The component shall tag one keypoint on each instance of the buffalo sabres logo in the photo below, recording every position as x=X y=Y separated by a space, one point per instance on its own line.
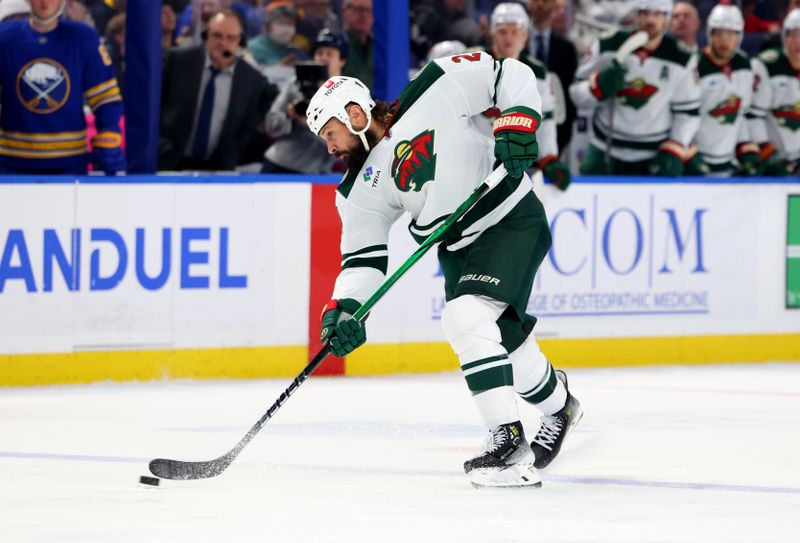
x=43 y=85
x=414 y=162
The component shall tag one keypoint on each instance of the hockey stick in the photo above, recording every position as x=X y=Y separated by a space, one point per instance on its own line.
x=178 y=469
x=634 y=42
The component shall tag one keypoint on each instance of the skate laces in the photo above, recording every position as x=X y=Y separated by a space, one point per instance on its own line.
x=549 y=432
x=496 y=439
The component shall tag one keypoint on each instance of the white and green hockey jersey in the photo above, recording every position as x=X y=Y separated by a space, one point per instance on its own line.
x=726 y=95
x=431 y=159
x=660 y=100
x=546 y=135
x=775 y=115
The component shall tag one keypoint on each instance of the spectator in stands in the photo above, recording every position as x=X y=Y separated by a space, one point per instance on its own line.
x=115 y=42
x=312 y=17
x=14 y=10
x=753 y=22
x=558 y=54
x=47 y=77
x=357 y=22
x=561 y=21
x=192 y=22
x=102 y=12
x=168 y=24
x=685 y=25
x=203 y=127
x=435 y=21
x=775 y=115
x=77 y=10
x=296 y=149
x=274 y=45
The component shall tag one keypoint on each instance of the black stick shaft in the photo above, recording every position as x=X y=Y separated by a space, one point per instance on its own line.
x=178 y=469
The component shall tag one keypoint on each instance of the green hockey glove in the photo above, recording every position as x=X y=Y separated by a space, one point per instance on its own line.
x=343 y=333
x=607 y=82
x=556 y=171
x=778 y=167
x=749 y=160
x=669 y=160
x=696 y=166
x=515 y=139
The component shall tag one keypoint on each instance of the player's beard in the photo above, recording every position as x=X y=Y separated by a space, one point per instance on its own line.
x=356 y=157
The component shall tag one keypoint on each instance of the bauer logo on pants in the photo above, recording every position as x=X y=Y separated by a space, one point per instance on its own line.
x=480 y=278
x=43 y=85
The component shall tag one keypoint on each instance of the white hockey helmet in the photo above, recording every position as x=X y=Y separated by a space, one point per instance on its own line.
x=791 y=22
x=664 y=6
x=446 y=49
x=725 y=17
x=331 y=100
x=510 y=13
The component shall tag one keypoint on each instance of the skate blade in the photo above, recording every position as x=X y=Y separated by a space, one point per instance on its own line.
x=515 y=476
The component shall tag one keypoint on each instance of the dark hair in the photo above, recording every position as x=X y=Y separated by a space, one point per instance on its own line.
x=383 y=112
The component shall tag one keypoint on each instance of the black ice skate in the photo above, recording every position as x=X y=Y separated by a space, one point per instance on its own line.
x=555 y=428
x=506 y=461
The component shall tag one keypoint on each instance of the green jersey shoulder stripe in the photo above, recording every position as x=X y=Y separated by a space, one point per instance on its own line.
x=670 y=50
x=346 y=184
x=416 y=88
x=777 y=63
x=706 y=66
x=539 y=69
x=610 y=43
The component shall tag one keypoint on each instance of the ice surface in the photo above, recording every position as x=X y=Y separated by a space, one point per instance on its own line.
x=663 y=454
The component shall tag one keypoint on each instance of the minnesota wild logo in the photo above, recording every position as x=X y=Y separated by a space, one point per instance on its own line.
x=788 y=116
x=638 y=93
x=727 y=110
x=414 y=162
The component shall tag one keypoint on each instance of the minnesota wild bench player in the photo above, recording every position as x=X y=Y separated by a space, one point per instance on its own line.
x=424 y=155
x=775 y=119
x=646 y=106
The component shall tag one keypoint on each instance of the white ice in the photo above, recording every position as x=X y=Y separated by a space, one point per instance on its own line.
x=662 y=455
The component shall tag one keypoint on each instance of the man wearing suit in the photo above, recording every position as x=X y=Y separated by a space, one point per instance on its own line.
x=211 y=103
x=558 y=53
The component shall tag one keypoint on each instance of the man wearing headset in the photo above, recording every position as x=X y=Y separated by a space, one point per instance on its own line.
x=202 y=127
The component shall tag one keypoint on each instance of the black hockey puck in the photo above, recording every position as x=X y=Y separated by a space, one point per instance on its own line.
x=152 y=481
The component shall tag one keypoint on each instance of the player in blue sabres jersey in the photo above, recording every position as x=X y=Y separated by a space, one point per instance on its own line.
x=50 y=69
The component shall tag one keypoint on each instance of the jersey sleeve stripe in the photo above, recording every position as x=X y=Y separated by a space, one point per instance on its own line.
x=379 y=263
x=101 y=88
x=369 y=249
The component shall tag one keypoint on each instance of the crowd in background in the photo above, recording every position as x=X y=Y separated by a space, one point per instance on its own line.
x=268 y=54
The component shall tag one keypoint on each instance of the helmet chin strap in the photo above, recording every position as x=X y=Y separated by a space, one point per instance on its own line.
x=52 y=18
x=361 y=133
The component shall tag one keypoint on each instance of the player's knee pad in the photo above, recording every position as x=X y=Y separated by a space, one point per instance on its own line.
x=469 y=324
x=529 y=365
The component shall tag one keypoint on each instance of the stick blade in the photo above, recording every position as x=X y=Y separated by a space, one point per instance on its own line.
x=634 y=42
x=180 y=470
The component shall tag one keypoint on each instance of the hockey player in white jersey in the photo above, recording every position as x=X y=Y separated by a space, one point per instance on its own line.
x=723 y=144
x=646 y=107
x=775 y=115
x=509 y=39
x=425 y=156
